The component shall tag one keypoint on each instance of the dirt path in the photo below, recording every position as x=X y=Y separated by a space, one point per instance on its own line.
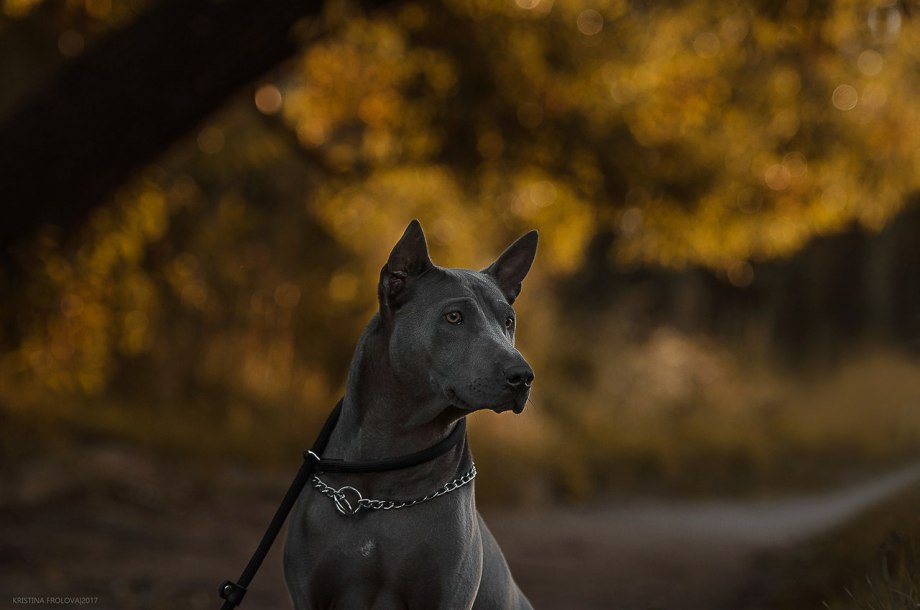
x=698 y=555
x=117 y=536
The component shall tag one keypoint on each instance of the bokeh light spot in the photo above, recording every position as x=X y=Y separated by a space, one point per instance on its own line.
x=885 y=23
x=707 y=45
x=845 y=97
x=870 y=62
x=268 y=99
x=741 y=274
x=622 y=92
x=777 y=177
x=527 y=5
x=311 y=133
x=543 y=193
x=734 y=29
x=590 y=22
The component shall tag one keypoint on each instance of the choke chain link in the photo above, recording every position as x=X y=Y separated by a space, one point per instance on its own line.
x=349 y=500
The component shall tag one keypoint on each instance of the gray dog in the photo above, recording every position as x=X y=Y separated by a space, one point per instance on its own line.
x=441 y=347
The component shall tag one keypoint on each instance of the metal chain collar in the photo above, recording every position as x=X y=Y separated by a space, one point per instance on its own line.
x=349 y=500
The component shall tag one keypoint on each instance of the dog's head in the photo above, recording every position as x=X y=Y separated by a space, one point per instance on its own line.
x=451 y=331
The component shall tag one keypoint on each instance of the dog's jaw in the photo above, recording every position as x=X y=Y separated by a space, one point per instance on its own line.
x=516 y=405
x=454 y=399
x=512 y=405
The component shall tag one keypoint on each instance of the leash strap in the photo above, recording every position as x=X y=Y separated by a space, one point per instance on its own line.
x=233 y=592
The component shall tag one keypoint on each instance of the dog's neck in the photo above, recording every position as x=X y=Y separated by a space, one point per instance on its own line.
x=381 y=415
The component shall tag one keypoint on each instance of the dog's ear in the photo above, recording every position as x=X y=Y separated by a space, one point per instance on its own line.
x=408 y=260
x=512 y=266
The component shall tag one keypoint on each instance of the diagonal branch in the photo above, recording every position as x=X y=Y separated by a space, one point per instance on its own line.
x=120 y=105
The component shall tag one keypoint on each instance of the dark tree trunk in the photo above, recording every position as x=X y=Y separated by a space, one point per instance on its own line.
x=127 y=99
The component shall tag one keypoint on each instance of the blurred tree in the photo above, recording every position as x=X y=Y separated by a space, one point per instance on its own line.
x=676 y=134
x=121 y=103
x=696 y=132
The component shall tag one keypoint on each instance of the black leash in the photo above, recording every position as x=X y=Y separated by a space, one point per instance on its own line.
x=232 y=592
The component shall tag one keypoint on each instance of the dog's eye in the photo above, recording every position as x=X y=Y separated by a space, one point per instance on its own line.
x=509 y=323
x=453 y=317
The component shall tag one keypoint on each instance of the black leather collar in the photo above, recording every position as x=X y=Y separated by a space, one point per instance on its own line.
x=455 y=437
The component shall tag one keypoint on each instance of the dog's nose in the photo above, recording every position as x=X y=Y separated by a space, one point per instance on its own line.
x=520 y=376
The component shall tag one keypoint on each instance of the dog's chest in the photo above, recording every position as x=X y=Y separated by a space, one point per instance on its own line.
x=421 y=554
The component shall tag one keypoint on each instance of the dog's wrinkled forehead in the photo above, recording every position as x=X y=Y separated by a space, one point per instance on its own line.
x=447 y=283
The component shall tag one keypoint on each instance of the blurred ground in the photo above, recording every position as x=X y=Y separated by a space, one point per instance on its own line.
x=648 y=554
x=137 y=534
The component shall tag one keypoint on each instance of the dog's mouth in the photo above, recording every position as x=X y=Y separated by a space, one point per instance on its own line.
x=512 y=405
x=516 y=405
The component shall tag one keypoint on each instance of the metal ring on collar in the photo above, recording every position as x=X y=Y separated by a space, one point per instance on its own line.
x=343 y=504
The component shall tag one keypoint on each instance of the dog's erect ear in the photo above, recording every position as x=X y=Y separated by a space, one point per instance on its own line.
x=509 y=269
x=408 y=260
